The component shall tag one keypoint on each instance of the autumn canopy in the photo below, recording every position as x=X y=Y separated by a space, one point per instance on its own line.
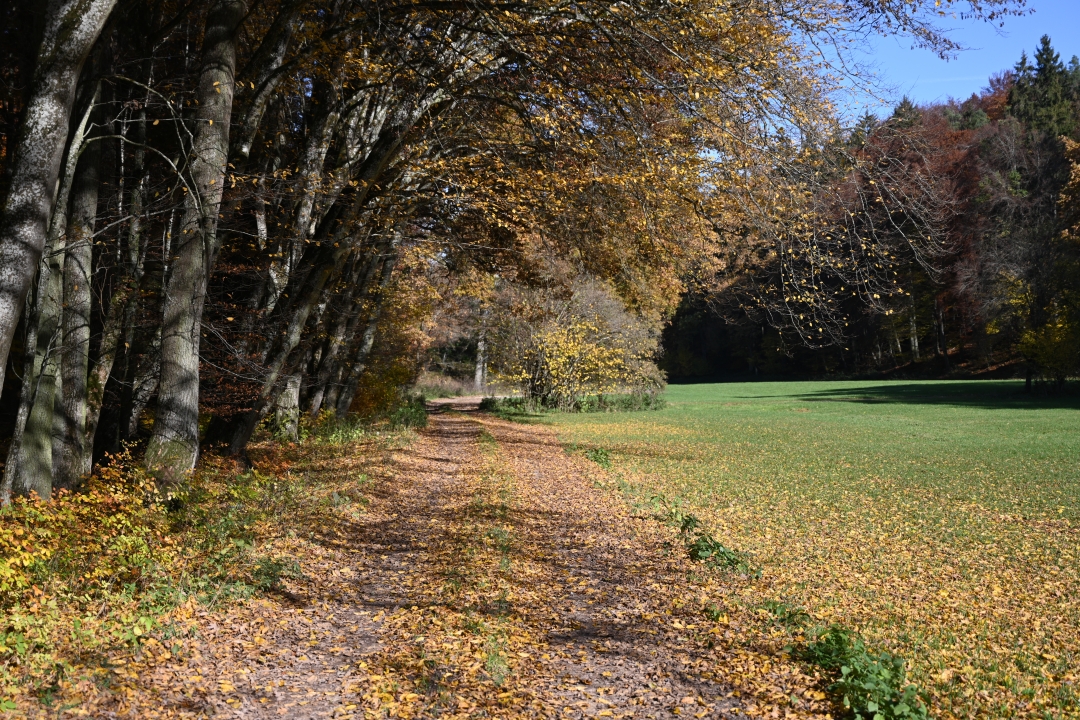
x=215 y=208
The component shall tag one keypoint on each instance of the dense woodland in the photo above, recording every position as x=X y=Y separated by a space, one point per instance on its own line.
x=221 y=212
x=998 y=299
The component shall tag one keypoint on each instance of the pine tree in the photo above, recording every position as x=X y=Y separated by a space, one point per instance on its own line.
x=906 y=113
x=1042 y=96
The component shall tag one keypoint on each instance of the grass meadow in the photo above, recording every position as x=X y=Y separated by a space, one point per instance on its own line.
x=941 y=520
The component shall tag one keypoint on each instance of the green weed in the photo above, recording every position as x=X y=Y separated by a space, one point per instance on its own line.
x=411 y=414
x=495 y=660
x=600 y=456
x=787 y=615
x=869 y=686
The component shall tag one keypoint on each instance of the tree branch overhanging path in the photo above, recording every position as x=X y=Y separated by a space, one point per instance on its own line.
x=252 y=160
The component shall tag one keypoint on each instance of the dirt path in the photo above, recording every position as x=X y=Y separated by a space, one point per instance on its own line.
x=489 y=577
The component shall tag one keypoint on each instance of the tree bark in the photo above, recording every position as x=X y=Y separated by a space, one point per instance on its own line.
x=341 y=337
x=287 y=412
x=480 y=374
x=30 y=464
x=914 y=338
x=33 y=467
x=359 y=363
x=25 y=399
x=71 y=29
x=174 y=446
x=144 y=386
x=73 y=459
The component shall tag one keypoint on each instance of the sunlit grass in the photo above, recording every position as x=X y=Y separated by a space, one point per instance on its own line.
x=939 y=519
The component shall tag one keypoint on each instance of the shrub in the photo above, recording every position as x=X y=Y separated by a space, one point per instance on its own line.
x=410 y=414
x=622 y=402
x=563 y=350
x=705 y=548
x=869 y=686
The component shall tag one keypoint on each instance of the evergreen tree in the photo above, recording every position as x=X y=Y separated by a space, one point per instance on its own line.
x=864 y=127
x=1042 y=96
x=906 y=113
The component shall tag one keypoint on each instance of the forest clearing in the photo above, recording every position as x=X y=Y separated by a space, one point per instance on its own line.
x=939 y=519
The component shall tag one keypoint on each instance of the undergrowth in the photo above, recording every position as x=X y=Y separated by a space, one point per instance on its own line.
x=868 y=685
x=88 y=577
x=516 y=407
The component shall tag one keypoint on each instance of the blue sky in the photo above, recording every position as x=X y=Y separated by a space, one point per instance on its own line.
x=925 y=78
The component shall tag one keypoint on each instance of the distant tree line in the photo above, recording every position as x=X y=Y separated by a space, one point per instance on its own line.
x=997 y=293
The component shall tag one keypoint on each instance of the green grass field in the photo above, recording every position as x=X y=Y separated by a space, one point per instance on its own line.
x=940 y=519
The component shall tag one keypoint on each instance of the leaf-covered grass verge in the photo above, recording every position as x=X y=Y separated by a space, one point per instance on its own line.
x=864 y=685
x=89 y=578
x=938 y=520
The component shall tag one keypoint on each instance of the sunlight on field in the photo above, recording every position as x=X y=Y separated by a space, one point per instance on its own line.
x=940 y=519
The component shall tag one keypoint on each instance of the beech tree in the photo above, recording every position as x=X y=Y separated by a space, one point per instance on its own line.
x=223 y=212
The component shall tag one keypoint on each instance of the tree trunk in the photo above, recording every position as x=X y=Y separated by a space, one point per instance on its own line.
x=30 y=463
x=329 y=364
x=33 y=467
x=25 y=398
x=287 y=410
x=914 y=339
x=174 y=446
x=943 y=337
x=144 y=386
x=73 y=459
x=120 y=318
x=71 y=29
x=480 y=375
x=262 y=70
x=281 y=350
x=359 y=364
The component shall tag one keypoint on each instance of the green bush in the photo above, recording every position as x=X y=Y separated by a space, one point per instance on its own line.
x=704 y=548
x=870 y=686
x=412 y=414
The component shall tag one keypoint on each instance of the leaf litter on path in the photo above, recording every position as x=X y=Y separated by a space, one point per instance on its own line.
x=490 y=576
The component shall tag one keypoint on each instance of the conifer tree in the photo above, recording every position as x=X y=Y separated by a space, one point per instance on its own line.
x=1042 y=96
